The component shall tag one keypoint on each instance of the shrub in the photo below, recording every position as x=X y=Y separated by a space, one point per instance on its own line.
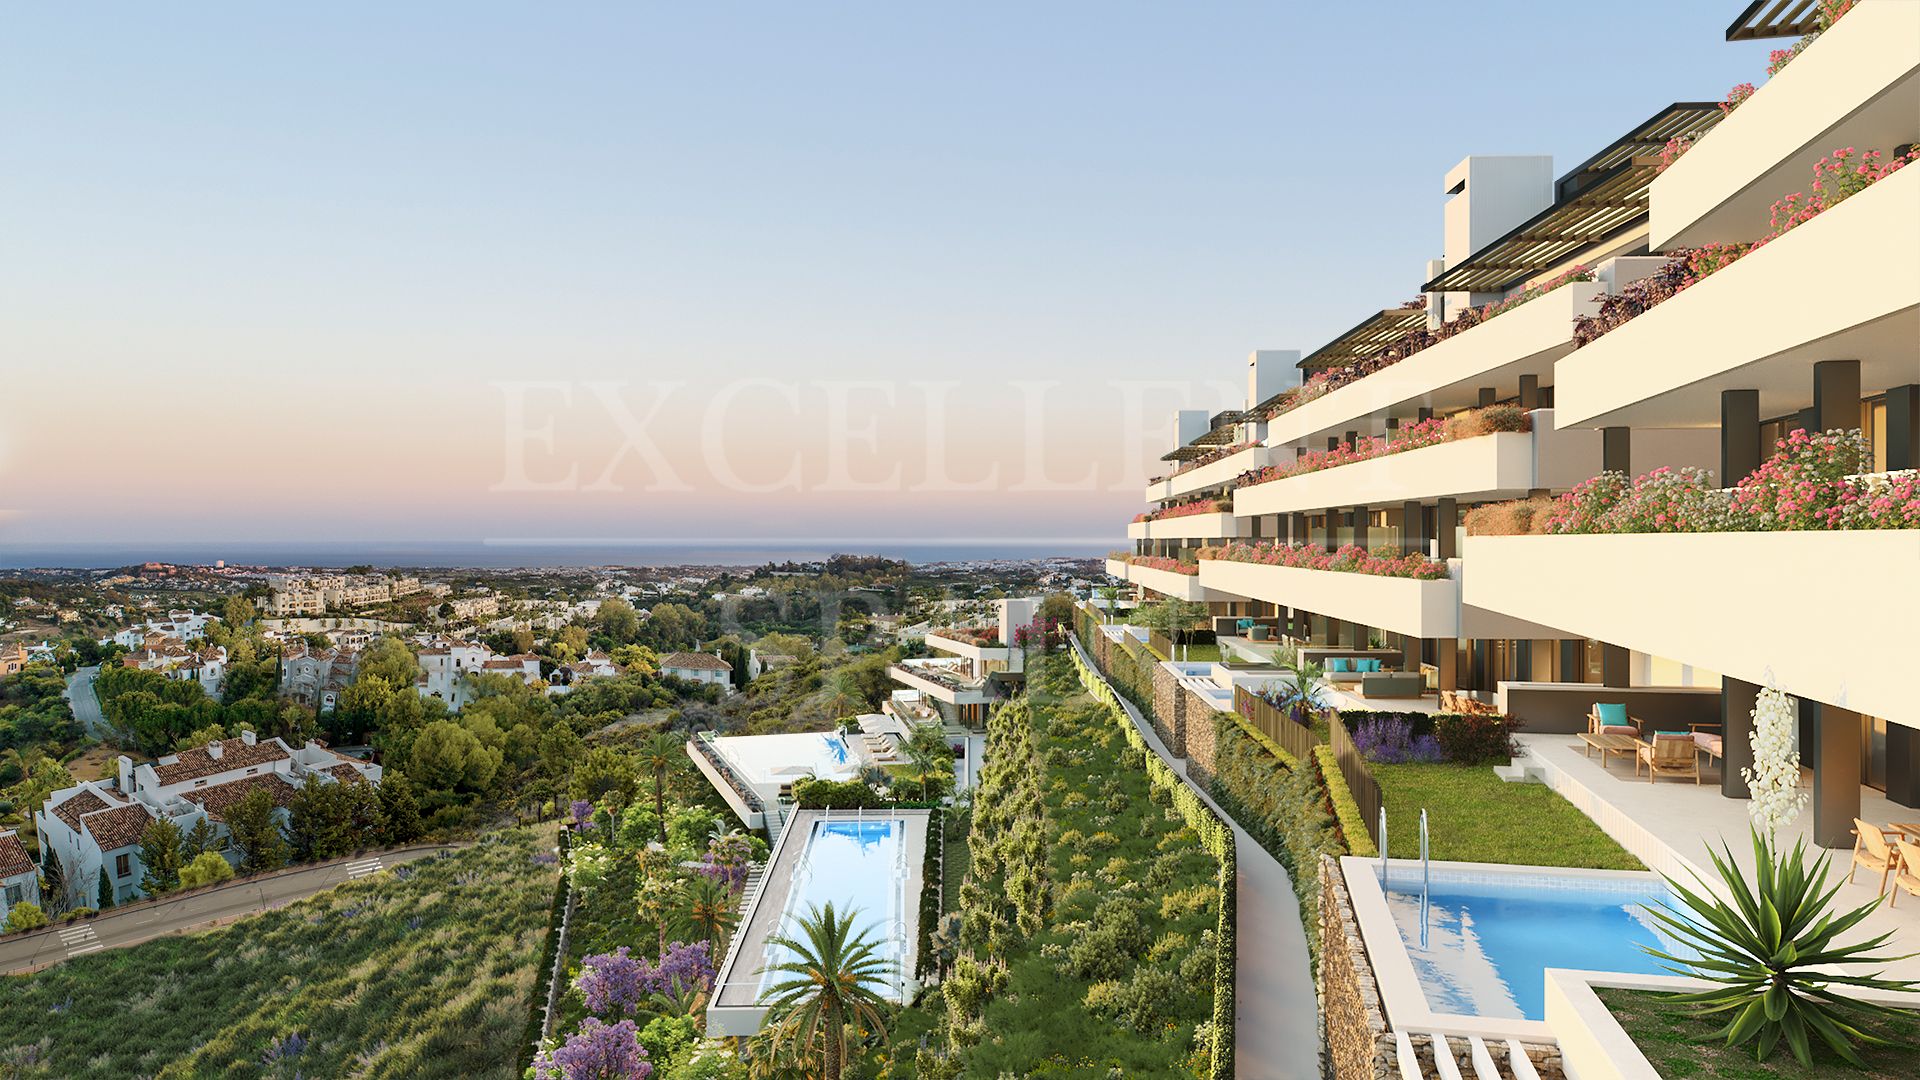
x=1475 y=740
x=1140 y=1002
x=25 y=915
x=815 y=794
x=206 y=868
x=1507 y=518
x=1353 y=829
x=1391 y=741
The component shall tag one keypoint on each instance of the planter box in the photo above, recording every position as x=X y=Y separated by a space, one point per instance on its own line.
x=1167 y=583
x=1116 y=568
x=1498 y=466
x=1844 y=285
x=1858 y=85
x=1197 y=527
x=1523 y=341
x=968 y=649
x=1137 y=530
x=1823 y=615
x=1213 y=475
x=1426 y=609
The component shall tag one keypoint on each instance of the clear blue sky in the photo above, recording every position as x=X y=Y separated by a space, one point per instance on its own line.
x=265 y=267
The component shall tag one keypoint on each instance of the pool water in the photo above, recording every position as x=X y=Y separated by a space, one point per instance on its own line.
x=857 y=866
x=1489 y=939
x=836 y=748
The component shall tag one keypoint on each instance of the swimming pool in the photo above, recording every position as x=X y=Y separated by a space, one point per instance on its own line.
x=1489 y=937
x=857 y=866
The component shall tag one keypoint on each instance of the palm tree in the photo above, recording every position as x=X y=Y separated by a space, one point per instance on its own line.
x=1307 y=695
x=707 y=910
x=927 y=749
x=1111 y=594
x=657 y=755
x=835 y=974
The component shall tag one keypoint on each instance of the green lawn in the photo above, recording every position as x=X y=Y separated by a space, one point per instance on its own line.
x=1205 y=653
x=1474 y=816
x=427 y=971
x=1679 y=1044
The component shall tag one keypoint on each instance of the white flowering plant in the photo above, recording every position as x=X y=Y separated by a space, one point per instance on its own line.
x=1774 y=780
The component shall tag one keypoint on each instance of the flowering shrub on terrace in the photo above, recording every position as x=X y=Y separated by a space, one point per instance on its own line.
x=1210 y=457
x=1161 y=562
x=1836 y=178
x=1811 y=482
x=1465 y=425
x=1349 y=559
x=1198 y=506
x=1416 y=340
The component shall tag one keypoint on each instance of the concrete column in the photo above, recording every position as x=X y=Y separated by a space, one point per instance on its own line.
x=1616 y=449
x=1903 y=764
x=1352 y=440
x=1573 y=660
x=1836 y=775
x=1301 y=529
x=1522 y=661
x=1903 y=429
x=1739 y=435
x=1836 y=394
x=1333 y=442
x=1736 y=727
x=1808 y=420
x=1424 y=413
x=1446 y=520
x=1529 y=391
x=1616 y=665
x=1488 y=396
x=1360 y=527
x=1333 y=520
x=1413 y=527
x=1446 y=657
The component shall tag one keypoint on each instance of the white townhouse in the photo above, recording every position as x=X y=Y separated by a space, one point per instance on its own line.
x=98 y=824
x=19 y=878
x=317 y=677
x=698 y=667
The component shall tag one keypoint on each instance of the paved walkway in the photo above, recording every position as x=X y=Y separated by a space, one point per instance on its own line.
x=146 y=921
x=86 y=704
x=1276 y=1014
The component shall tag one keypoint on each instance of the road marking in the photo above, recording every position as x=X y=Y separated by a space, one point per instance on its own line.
x=81 y=939
x=365 y=867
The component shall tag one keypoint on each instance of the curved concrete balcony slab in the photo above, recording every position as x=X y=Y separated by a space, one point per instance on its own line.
x=1427 y=609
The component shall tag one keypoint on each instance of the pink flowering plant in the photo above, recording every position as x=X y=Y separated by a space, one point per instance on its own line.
x=1187 y=509
x=1349 y=559
x=1161 y=562
x=1470 y=424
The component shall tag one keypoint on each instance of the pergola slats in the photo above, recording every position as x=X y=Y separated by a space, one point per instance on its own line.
x=1374 y=333
x=1601 y=199
x=1775 y=19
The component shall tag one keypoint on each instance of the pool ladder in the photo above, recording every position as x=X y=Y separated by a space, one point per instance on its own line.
x=1426 y=868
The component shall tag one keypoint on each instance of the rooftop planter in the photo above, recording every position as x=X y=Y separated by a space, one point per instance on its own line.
x=1169 y=577
x=1380 y=591
x=1217 y=525
x=1857 y=84
x=1214 y=474
x=1839 y=282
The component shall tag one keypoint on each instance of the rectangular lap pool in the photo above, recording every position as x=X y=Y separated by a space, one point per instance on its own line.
x=1482 y=943
x=859 y=867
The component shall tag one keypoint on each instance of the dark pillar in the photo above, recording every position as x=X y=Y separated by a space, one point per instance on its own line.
x=1736 y=728
x=1412 y=528
x=1808 y=420
x=1424 y=413
x=1446 y=658
x=1446 y=518
x=1333 y=442
x=1360 y=527
x=1352 y=439
x=1836 y=775
x=1739 y=435
x=1573 y=660
x=1903 y=430
x=1522 y=660
x=1393 y=425
x=1333 y=519
x=1903 y=764
x=1488 y=395
x=1836 y=394
x=1616 y=450
x=1302 y=529
x=1616 y=665
x=1529 y=391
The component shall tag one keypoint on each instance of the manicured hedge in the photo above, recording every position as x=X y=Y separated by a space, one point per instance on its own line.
x=1352 y=826
x=930 y=877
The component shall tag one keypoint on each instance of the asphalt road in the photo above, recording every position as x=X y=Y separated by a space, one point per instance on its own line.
x=146 y=921
x=86 y=704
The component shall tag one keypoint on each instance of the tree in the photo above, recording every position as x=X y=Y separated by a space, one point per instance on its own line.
x=389 y=658
x=596 y=1052
x=398 y=809
x=206 y=868
x=323 y=822
x=1111 y=594
x=834 y=981
x=448 y=757
x=160 y=855
x=659 y=754
x=238 y=611
x=255 y=829
x=198 y=839
x=617 y=619
x=206 y=736
x=25 y=915
x=928 y=750
x=105 y=898
x=708 y=910
x=636 y=659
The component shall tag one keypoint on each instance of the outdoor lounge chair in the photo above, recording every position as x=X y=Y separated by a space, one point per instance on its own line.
x=1873 y=849
x=1669 y=755
x=1906 y=876
x=1609 y=719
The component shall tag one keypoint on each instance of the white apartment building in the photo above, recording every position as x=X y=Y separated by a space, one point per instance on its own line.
x=98 y=824
x=978 y=665
x=317 y=677
x=698 y=667
x=185 y=626
x=19 y=877
x=445 y=664
x=206 y=666
x=1564 y=331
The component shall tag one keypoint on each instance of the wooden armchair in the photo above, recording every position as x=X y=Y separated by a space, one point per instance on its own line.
x=1622 y=724
x=1873 y=849
x=1906 y=876
x=1669 y=755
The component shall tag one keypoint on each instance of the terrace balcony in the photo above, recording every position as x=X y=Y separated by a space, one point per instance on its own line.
x=1824 y=615
x=1165 y=582
x=1423 y=609
x=1209 y=476
x=1845 y=284
x=1218 y=526
x=1496 y=466
x=1857 y=85
x=1446 y=376
x=978 y=644
x=950 y=681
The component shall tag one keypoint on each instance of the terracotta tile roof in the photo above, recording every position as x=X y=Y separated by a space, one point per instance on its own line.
x=119 y=827
x=218 y=798
x=13 y=857
x=343 y=772
x=694 y=661
x=79 y=806
x=234 y=754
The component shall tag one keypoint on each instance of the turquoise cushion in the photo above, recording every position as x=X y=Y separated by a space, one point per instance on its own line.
x=1612 y=714
x=1373 y=665
x=1338 y=663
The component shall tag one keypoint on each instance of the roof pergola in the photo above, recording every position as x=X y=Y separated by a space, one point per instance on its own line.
x=1775 y=19
x=1601 y=199
x=1374 y=333
x=1221 y=431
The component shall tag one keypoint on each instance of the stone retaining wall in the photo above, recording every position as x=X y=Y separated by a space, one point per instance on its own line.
x=1169 y=715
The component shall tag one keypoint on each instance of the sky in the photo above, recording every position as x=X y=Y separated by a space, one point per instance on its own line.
x=471 y=271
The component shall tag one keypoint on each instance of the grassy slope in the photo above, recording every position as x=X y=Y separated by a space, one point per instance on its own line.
x=426 y=976
x=1681 y=1045
x=1474 y=816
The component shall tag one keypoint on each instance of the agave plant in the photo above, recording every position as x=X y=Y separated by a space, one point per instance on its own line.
x=1762 y=951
